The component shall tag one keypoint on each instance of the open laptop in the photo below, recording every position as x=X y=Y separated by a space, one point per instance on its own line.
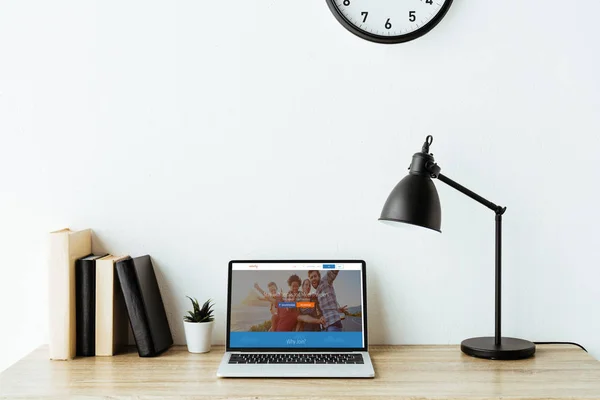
x=304 y=318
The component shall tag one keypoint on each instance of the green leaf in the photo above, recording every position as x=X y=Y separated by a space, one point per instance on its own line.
x=205 y=307
x=195 y=305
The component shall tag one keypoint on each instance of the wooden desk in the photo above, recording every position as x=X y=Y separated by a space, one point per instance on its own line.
x=402 y=372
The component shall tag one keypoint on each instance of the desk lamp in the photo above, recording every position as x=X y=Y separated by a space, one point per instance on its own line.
x=415 y=201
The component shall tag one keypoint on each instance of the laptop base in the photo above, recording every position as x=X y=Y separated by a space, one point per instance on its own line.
x=227 y=370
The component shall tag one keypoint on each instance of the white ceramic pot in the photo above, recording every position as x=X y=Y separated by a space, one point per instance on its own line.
x=198 y=336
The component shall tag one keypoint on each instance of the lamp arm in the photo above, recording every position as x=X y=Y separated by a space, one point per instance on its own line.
x=424 y=164
x=499 y=210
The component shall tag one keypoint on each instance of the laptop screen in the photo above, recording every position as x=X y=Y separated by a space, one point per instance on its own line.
x=289 y=305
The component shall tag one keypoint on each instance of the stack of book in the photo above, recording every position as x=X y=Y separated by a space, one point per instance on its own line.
x=93 y=300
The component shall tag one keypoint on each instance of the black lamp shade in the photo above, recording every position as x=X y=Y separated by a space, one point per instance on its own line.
x=414 y=201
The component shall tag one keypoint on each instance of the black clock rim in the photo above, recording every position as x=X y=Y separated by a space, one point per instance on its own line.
x=388 y=39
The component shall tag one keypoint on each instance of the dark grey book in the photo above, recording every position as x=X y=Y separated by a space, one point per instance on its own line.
x=145 y=308
x=85 y=306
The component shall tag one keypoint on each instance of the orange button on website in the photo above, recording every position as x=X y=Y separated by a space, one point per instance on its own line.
x=305 y=304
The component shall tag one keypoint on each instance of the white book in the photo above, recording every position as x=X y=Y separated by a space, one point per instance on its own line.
x=66 y=247
x=112 y=323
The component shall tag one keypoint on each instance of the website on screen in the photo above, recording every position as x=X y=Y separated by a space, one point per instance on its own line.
x=291 y=305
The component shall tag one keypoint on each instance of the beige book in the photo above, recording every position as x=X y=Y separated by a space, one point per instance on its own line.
x=112 y=323
x=66 y=247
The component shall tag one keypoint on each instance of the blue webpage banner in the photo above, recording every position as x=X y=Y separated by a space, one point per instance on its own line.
x=296 y=339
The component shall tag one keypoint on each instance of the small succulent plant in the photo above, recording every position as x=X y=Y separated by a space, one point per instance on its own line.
x=204 y=314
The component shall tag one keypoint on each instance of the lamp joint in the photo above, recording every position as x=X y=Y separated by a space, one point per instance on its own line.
x=433 y=169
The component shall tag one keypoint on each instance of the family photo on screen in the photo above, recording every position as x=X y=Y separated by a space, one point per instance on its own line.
x=296 y=301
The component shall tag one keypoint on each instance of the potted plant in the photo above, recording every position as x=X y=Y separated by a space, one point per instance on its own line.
x=198 y=325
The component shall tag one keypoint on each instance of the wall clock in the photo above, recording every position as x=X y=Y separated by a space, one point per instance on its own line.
x=389 y=21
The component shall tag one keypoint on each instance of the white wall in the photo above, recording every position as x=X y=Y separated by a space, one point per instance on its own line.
x=201 y=131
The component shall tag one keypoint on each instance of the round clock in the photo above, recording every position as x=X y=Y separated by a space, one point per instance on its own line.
x=389 y=21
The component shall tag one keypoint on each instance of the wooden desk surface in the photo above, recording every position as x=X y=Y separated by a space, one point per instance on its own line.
x=402 y=372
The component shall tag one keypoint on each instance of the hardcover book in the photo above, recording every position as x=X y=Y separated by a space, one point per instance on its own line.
x=85 y=305
x=65 y=248
x=145 y=308
x=112 y=326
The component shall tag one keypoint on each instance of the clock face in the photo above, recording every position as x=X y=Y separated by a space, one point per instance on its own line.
x=389 y=21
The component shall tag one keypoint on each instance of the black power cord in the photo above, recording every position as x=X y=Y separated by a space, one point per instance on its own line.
x=574 y=344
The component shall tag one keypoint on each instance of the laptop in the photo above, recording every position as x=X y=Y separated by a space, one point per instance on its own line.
x=291 y=318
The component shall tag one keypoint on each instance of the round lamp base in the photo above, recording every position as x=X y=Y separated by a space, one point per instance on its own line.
x=509 y=348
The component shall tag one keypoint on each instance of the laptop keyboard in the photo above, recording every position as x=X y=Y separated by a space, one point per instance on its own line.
x=296 y=358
